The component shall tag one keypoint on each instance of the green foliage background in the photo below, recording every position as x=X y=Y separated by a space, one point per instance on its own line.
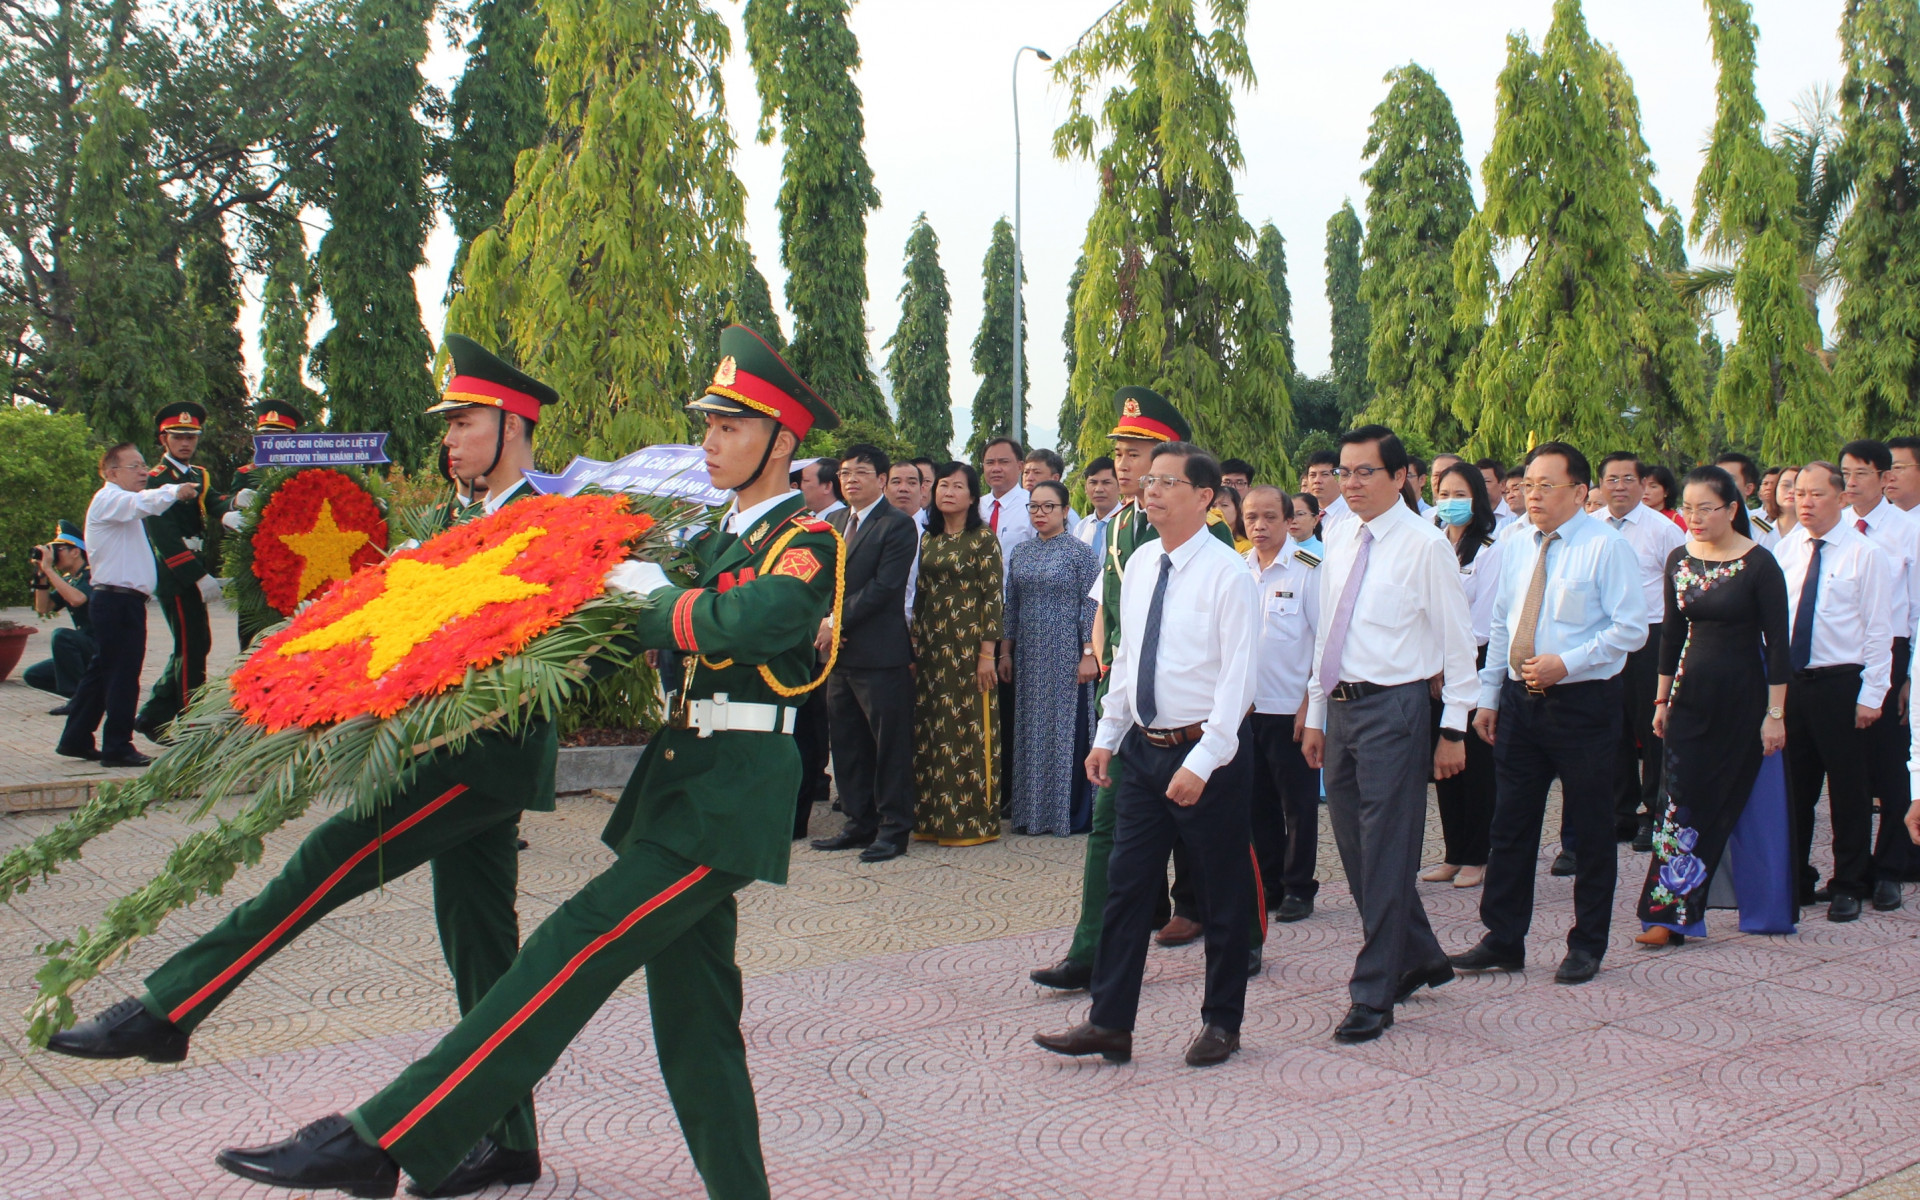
x=48 y=472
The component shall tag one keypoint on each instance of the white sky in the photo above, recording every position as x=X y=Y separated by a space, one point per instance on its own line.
x=936 y=84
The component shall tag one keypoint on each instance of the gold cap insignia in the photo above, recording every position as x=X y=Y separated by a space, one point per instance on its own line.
x=723 y=375
x=1131 y=408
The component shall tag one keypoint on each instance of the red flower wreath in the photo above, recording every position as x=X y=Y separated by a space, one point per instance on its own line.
x=414 y=625
x=318 y=527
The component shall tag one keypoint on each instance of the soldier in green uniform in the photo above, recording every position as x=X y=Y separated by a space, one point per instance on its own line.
x=186 y=583
x=269 y=416
x=62 y=579
x=460 y=813
x=1144 y=419
x=708 y=810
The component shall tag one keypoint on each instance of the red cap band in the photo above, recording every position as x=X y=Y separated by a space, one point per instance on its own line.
x=1145 y=428
x=767 y=399
x=470 y=389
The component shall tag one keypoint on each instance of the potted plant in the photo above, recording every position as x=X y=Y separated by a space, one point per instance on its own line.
x=13 y=643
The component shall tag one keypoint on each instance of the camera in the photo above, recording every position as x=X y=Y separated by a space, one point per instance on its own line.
x=39 y=554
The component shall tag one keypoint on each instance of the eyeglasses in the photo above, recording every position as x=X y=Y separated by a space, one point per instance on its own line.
x=862 y=473
x=1542 y=489
x=1617 y=480
x=128 y=466
x=1160 y=481
x=1365 y=473
x=1044 y=507
x=1702 y=510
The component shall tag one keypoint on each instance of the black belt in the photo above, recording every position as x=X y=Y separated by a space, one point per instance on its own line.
x=1823 y=672
x=1358 y=691
x=1167 y=739
x=114 y=589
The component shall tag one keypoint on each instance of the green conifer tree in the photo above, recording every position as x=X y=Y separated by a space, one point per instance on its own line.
x=755 y=305
x=804 y=59
x=919 y=366
x=1877 y=369
x=1172 y=298
x=1582 y=344
x=1352 y=327
x=213 y=315
x=498 y=110
x=374 y=359
x=1419 y=198
x=1069 y=417
x=1270 y=255
x=622 y=228
x=993 y=347
x=286 y=308
x=1772 y=389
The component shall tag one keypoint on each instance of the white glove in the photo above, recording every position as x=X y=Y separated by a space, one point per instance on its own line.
x=640 y=578
x=409 y=544
x=210 y=588
x=243 y=498
x=233 y=521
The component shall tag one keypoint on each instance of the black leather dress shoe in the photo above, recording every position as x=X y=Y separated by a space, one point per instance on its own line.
x=1254 y=962
x=62 y=711
x=1294 y=908
x=1114 y=1045
x=125 y=758
x=1066 y=975
x=1643 y=836
x=1363 y=1024
x=1488 y=957
x=1431 y=975
x=1886 y=895
x=486 y=1164
x=842 y=841
x=1213 y=1047
x=1563 y=864
x=1577 y=967
x=882 y=851
x=1843 y=908
x=89 y=753
x=127 y=1030
x=326 y=1154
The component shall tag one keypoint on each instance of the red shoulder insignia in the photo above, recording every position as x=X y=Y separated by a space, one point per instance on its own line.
x=157 y=470
x=798 y=562
x=814 y=525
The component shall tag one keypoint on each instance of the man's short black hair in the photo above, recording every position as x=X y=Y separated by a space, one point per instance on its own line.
x=1324 y=458
x=1625 y=456
x=1910 y=444
x=1416 y=465
x=1237 y=466
x=1019 y=455
x=1576 y=462
x=1050 y=459
x=1201 y=469
x=826 y=470
x=1749 y=470
x=1869 y=451
x=1393 y=455
x=1103 y=463
x=1515 y=473
x=1492 y=464
x=866 y=452
x=929 y=464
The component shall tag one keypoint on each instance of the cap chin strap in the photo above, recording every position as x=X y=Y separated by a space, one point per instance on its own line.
x=499 y=448
x=765 y=456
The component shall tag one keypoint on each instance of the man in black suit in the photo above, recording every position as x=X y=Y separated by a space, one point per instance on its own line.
x=819 y=483
x=870 y=692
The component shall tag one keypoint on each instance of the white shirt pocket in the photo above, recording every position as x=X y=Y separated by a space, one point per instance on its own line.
x=1283 y=602
x=1384 y=604
x=1569 y=600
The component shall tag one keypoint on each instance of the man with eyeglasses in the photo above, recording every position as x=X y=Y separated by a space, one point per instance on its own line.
x=124 y=577
x=1864 y=466
x=1394 y=617
x=1903 y=475
x=1322 y=482
x=1567 y=612
x=1636 y=782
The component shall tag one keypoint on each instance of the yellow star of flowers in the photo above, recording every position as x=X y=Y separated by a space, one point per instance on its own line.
x=420 y=598
x=326 y=551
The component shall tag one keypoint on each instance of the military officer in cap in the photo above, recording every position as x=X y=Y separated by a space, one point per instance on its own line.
x=460 y=813
x=186 y=583
x=269 y=416
x=1144 y=419
x=708 y=811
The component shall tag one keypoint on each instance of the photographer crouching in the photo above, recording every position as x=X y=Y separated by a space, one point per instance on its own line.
x=62 y=580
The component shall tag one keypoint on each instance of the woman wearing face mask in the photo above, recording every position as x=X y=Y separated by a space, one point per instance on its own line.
x=1462 y=510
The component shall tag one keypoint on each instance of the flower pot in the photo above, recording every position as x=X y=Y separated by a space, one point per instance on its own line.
x=13 y=643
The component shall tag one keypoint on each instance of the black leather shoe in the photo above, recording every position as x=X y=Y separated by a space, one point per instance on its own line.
x=1213 y=1047
x=125 y=758
x=882 y=851
x=842 y=841
x=62 y=711
x=326 y=1154
x=1886 y=895
x=1065 y=975
x=1254 y=962
x=1363 y=1024
x=1563 y=864
x=1114 y=1045
x=1643 y=836
x=486 y=1164
x=1577 y=967
x=1843 y=908
x=89 y=754
x=1431 y=975
x=1294 y=908
x=127 y=1030
x=1488 y=957
x=1820 y=895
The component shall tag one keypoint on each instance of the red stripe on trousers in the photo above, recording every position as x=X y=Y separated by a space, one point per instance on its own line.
x=260 y=947
x=532 y=1006
x=1259 y=892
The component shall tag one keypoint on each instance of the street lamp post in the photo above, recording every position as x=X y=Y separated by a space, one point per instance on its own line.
x=1018 y=263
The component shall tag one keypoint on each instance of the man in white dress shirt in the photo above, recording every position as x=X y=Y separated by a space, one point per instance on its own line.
x=1867 y=465
x=1636 y=781
x=1103 y=499
x=1902 y=485
x=1178 y=695
x=1839 y=605
x=1322 y=482
x=1393 y=617
x=1004 y=507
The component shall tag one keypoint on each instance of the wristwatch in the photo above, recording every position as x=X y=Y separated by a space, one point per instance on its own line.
x=1776 y=713
x=1453 y=735
x=1086 y=647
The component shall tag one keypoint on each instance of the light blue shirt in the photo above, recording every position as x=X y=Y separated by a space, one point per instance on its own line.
x=1313 y=546
x=1593 y=615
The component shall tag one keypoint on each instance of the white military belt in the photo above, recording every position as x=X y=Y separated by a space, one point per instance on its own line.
x=193 y=544
x=719 y=715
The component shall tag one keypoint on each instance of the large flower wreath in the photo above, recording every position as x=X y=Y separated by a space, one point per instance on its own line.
x=489 y=625
x=304 y=528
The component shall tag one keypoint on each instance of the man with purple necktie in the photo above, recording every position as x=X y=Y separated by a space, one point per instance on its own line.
x=1399 y=619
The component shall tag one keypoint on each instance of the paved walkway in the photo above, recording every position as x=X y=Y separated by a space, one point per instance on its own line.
x=888 y=1018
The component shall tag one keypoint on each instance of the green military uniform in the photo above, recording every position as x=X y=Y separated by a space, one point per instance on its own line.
x=708 y=810
x=269 y=416
x=179 y=539
x=1145 y=415
x=72 y=649
x=460 y=813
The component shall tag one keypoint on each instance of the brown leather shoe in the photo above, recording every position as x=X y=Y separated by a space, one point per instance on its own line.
x=1213 y=1047
x=1179 y=931
x=1114 y=1045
